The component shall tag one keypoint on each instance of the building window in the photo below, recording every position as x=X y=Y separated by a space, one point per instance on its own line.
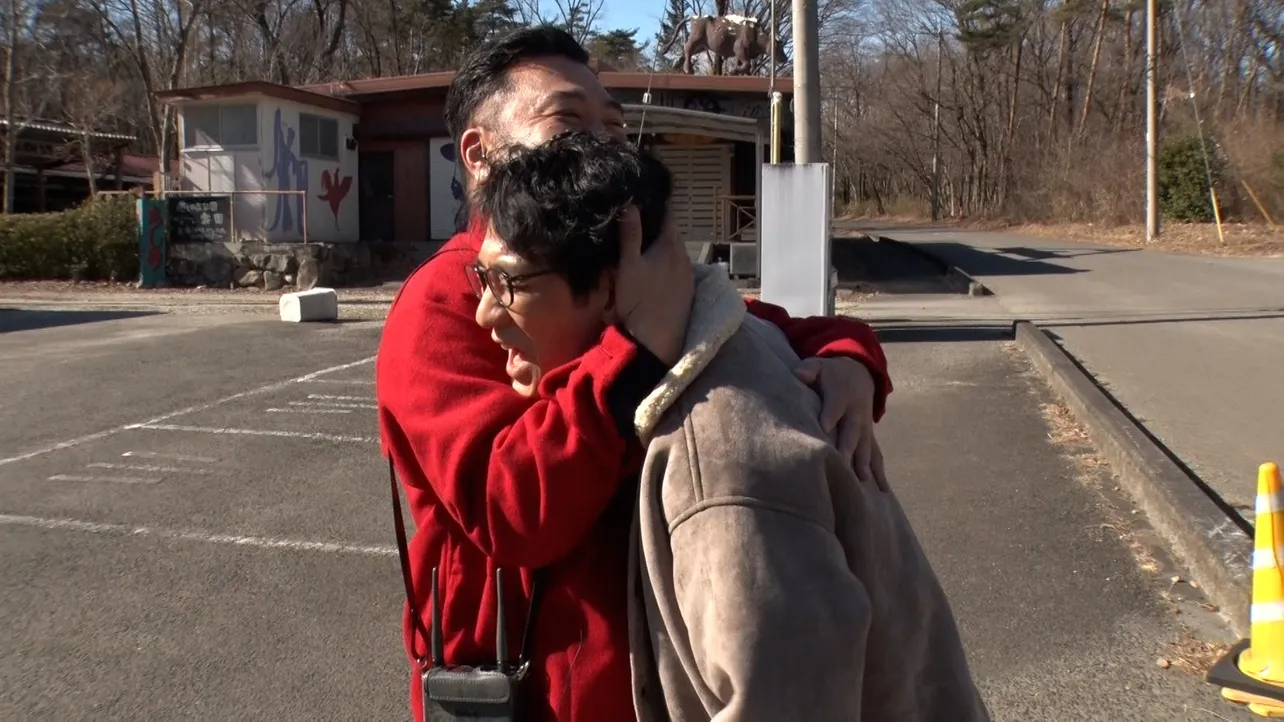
x=318 y=137
x=224 y=126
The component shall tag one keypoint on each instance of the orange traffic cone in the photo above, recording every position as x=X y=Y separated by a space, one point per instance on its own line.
x=1263 y=660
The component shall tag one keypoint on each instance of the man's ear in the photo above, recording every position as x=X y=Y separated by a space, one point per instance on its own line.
x=472 y=153
x=610 y=311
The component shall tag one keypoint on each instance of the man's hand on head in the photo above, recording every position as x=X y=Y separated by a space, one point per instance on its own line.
x=847 y=392
x=654 y=290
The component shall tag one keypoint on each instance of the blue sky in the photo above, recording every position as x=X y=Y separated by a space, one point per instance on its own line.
x=629 y=14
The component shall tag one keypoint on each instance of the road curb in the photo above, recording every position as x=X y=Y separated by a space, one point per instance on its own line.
x=953 y=273
x=1212 y=547
x=974 y=287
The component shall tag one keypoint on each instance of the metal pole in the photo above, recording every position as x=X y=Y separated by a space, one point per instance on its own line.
x=777 y=103
x=835 y=140
x=1152 y=129
x=771 y=91
x=936 y=129
x=771 y=84
x=807 y=121
x=833 y=165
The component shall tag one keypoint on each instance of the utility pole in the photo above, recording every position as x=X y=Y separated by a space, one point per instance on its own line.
x=936 y=129
x=1152 y=125
x=807 y=120
x=833 y=164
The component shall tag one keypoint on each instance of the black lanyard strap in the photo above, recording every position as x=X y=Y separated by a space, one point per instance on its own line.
x=416 y=621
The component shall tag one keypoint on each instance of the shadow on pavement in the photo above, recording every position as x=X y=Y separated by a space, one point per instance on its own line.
x=16 y=319
x=989 y=262
x=942 y=333
x=864 y=264
x=1043 y=254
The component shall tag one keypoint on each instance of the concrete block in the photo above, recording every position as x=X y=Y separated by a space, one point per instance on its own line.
x=317 y=304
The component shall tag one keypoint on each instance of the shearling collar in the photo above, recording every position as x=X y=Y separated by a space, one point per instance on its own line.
x=716 y=314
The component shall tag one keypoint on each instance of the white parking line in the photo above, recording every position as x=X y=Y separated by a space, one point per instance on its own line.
x=146 y=467
x=309 y=411
x=334 y=404
x=306 y=378
x=264 y=432
x=199 y=536
x=330 y=397
x=109 y=479
x=171 y=457
x=339 y=381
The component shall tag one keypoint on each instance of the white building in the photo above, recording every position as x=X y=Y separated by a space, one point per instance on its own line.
x=287 y=157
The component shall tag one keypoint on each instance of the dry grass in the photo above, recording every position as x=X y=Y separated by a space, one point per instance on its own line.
x=1241 y=239
x=1187 y=654
x=1072 y=440
x=1193 y=655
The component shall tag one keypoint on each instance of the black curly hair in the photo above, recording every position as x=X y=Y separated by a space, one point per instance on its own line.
x=557 y=205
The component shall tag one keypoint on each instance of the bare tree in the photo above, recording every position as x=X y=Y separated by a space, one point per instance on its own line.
x=25 y=93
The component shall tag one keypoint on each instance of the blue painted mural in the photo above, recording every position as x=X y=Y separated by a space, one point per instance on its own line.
x=291 y=174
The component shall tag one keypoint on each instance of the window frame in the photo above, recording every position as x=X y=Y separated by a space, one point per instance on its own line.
x=322 y=123
x=220 y=111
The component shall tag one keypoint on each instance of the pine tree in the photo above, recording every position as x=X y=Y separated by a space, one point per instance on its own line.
x=987 y=25
x=672 y=30
x=493 y=17
x=619 y=49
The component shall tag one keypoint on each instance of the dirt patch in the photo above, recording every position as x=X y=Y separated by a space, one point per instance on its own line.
x=1189 y=652
x=1091 y=470
x=27 y=288
x=1192 y=655
x=94 y=293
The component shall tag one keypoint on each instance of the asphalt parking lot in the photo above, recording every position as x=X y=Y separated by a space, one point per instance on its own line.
x=194 y=524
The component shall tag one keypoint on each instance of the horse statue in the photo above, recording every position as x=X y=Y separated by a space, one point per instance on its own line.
x=725 y=36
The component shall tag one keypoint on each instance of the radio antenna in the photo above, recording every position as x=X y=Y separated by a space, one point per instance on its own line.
x=501 y=627
x=438 y=654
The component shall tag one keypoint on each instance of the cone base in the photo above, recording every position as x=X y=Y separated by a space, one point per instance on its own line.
x=1259 y=670
x=1226 y=673
x=1261 y=706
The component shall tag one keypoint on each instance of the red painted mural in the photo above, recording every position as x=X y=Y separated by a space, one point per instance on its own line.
x=334 y=190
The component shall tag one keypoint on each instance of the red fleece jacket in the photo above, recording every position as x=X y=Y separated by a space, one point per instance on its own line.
x=493 y=478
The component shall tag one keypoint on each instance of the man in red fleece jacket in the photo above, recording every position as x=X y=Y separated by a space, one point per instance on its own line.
x=495 y=479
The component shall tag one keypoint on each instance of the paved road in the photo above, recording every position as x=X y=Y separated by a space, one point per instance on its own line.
x=206 y=535
x=1192 y=346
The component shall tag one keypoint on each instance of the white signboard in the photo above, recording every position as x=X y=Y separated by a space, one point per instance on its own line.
x=445 y=188
x=794 y=256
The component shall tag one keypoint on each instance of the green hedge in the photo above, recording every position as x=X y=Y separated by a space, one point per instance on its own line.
x=1183 y=179
x=97 y=240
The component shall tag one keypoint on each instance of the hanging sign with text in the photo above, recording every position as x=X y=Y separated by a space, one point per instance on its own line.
x=199 y=219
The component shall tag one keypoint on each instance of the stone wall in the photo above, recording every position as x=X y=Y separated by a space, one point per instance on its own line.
x=273 y=266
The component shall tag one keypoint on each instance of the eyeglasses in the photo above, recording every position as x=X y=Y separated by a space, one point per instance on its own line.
x=499 y=282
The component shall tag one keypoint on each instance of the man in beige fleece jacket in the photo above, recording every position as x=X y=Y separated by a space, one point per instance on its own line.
x=769 y=584
x=766 y=582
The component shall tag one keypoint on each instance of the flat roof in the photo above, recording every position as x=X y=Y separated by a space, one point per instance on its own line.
x=260 y=87
x=367 y=87
x=661 y=119
x=344 y=96
x=59 y=128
